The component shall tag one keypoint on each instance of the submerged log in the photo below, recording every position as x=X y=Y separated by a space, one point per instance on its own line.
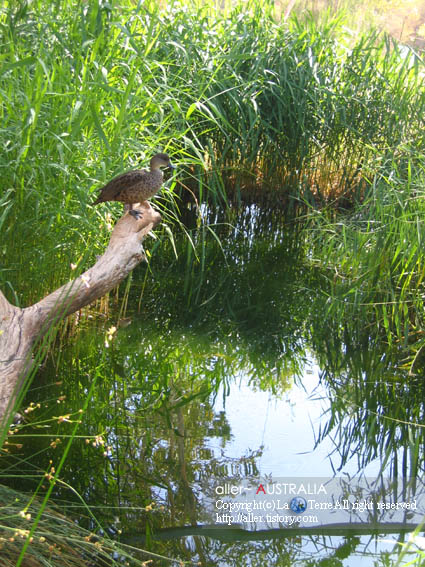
x=21 y=328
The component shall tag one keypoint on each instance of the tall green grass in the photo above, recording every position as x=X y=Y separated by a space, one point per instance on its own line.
x=374 y=258
x=245 y=104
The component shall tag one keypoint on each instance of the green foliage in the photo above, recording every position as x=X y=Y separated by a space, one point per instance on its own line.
x=375 y=259
x=241 y=100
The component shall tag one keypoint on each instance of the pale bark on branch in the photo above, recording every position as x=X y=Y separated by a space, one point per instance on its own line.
x=20 y=328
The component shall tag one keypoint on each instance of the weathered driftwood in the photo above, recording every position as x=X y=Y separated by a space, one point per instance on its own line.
x=20 y=328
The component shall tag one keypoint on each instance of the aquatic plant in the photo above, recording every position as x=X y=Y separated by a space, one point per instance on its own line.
x=250 y=107
x=57 y=539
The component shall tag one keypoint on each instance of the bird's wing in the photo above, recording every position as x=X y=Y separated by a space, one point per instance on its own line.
x=123 y=181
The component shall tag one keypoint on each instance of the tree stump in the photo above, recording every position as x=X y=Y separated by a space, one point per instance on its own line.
x=21 y=328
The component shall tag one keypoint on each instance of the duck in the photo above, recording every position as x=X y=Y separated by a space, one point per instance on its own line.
x=136 y=185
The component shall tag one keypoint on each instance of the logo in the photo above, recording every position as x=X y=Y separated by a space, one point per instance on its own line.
x=298 y=505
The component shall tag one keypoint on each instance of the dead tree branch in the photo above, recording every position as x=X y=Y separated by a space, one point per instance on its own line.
x=21 y=328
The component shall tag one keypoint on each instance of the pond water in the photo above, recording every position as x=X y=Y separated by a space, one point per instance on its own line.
x=224 y=397
x=285 y=429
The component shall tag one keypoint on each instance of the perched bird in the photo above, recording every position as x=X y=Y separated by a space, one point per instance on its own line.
x=137 y=185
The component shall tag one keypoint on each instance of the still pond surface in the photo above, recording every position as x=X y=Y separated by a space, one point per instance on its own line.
x=238 y=422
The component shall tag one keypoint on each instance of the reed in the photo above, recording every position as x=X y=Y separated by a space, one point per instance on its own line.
x=250 y=107
x=56 y=539
x=374 y=258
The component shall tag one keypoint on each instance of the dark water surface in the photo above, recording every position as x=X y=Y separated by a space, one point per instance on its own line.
x=224 y=380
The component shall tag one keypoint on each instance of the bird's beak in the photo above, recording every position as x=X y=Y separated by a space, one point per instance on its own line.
x=171 y=166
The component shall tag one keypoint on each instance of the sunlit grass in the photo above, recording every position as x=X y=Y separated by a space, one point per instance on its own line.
x=247 y=105
x=375 y=258
x=57 y=539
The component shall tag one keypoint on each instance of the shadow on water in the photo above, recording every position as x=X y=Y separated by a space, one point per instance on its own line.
x=248 y=309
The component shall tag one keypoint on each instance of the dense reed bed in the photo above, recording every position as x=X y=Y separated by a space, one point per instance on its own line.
x=250 y=107
x=375 y=262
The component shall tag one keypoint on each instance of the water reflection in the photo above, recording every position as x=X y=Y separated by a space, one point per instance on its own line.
x=224 y=330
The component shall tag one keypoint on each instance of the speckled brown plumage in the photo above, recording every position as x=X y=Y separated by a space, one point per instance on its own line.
x=137 y=185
